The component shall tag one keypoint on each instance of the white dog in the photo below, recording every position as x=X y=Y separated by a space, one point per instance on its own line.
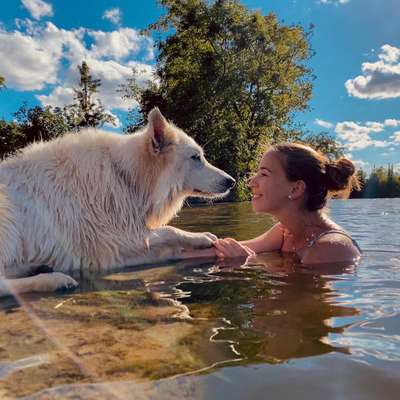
x=98 y=201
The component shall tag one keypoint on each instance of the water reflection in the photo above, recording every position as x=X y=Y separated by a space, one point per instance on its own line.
x=277 y=311
x=179 y=318
x=231 y=219
x=145 y=324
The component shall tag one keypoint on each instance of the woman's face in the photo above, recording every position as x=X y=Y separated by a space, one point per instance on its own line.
x=269 y=186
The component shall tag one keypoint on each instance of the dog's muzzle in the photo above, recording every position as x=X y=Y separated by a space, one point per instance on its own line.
x=229 y=183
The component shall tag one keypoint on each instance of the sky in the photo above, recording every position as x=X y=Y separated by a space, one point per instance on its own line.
x=356 y=96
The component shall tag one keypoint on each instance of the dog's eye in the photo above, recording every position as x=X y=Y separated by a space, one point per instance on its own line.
x=196 y=157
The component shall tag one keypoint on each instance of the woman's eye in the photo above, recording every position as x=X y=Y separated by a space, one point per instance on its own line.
x=196 y=157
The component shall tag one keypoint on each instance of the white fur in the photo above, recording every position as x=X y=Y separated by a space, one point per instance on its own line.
x=95 y=200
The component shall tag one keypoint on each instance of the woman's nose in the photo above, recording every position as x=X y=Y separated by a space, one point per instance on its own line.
x=252 y=181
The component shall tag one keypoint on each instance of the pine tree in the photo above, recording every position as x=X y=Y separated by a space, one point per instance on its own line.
x=86 y=111
x=391 y=184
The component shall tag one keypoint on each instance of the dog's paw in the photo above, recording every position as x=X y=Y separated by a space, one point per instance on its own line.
x=211 y=236
x=54 y=281
x=202 y=240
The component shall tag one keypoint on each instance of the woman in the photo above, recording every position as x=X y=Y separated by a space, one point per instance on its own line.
x=293 y=183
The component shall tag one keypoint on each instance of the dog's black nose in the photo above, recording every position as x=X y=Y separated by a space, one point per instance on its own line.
x=230 y=183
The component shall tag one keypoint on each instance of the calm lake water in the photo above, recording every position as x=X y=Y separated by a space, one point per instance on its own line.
x=201 y=330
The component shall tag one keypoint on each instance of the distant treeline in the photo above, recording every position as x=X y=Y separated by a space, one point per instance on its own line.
x=381 y=183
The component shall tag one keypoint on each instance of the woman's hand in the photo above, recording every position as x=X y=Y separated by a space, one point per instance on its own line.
x=229 y=247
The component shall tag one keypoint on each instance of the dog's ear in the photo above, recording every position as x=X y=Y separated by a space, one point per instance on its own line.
x=158 y=126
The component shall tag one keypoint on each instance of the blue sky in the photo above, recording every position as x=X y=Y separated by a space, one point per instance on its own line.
x=356 y=93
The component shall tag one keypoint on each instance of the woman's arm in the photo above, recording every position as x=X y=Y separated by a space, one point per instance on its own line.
x=224 y=248
x=268 y=241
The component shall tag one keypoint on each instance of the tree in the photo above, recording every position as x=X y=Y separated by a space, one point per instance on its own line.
x=391 y=186
x=382 y=183
x=131 y=90
x=324 y=143
x=86 y=111
x=31 y=125
x=231 y=78
x=2 y=82
x=11 y=137
x=41 y=123
x=362 y=180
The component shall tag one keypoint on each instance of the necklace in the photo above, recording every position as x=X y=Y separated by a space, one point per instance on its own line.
x=309 y=233
x=297 y=245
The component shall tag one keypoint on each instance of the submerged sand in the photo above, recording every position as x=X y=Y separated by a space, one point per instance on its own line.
x=107 y=335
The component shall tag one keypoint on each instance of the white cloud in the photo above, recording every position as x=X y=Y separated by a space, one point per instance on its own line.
x=27 y=25
x=114 y=15
x=392 y=123
x=38 y=8
x=59 y=97
x=396 y=137
x=390 y=54
x=374 y=126
x=31 y=61
x=324 y=124
x=116 y=44
x=356 y=136
x=381 y=79
x=47 y=55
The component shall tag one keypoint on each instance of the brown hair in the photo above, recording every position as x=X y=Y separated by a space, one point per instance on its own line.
x=323 y=178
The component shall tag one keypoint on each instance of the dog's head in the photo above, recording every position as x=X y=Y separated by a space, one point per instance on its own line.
x=184 y=167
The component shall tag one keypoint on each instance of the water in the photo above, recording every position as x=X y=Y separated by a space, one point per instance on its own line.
x=197 y=330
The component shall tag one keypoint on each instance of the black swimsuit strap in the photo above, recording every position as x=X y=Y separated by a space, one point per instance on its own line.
x=313 y=241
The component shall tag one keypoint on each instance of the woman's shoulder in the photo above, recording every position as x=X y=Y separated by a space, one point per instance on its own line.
x=332 y=246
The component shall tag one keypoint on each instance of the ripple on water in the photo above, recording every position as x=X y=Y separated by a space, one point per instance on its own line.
x=267 y=323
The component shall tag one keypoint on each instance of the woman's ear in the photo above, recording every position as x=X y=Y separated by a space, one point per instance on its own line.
x=298 y=189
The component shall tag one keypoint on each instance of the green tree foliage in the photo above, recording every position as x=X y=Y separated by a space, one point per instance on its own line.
x=86 y=111
x=324 y=143
x=131 y=90
x=41 y=123
x=31 y=125
x=11 y=138
x=230 y=77
x=381 y=183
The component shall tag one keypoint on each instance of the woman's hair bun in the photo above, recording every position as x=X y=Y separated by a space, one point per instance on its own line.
x=339 y=174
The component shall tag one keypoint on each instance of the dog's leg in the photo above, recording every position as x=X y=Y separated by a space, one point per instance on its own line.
x=168 y=243
x=38 y=283
x=168 y=235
